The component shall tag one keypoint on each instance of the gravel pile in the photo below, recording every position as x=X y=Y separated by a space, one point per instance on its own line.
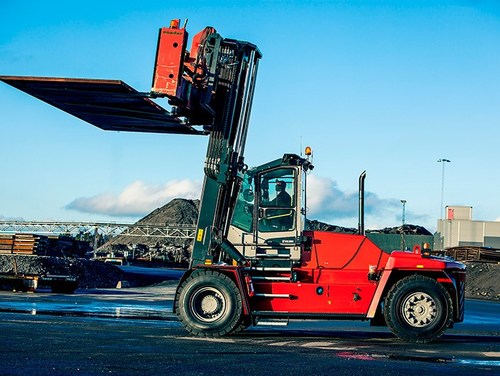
x=179 y=211
x=90 y=274
x=483 y=281
x=407 y=229
x=315 y=225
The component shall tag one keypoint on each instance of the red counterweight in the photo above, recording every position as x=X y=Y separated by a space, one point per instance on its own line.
x=169 y=63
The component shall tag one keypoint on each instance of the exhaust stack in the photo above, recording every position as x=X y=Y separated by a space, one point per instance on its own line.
x=361 y=208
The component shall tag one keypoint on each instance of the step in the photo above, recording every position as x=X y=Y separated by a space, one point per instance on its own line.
x=263 y=278
x=263 y=295
x=269 y=269
x=278 y=255
x=271 y=322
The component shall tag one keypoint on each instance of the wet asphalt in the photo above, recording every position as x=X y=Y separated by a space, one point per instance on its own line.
x=133 y=331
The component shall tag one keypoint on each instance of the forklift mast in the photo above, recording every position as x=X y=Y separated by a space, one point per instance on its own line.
x=216 y=89
x=210 y=88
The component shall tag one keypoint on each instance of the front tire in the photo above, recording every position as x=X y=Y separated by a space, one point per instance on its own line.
x=418 y=309
x=209 y=304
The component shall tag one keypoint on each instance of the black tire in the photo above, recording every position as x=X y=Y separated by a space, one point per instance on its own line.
x=244 y=323
x=418 y=309
x=209 y=304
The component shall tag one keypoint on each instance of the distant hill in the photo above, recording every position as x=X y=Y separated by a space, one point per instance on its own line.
x=179 y=211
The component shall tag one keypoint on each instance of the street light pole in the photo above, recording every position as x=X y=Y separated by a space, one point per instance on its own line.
x=442 y=161
x=404 y=207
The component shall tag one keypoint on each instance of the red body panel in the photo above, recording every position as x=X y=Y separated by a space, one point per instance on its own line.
x=406 y=260
x=169 y=60
x=332 y=279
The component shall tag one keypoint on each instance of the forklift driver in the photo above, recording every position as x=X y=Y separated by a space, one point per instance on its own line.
x=280 y=218
x=282 y=198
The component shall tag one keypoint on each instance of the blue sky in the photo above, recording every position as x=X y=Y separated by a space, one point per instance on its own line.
x=386 y=86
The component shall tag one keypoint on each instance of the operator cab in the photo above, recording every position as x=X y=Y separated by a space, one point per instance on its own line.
x=269 y=215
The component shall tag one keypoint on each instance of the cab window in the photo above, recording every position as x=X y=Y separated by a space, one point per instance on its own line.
x=243 y=211
x=277 y=200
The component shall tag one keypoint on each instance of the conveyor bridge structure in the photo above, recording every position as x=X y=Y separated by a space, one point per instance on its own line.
x=181 y=231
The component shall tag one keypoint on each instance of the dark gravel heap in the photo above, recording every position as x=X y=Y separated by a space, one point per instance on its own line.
x=321 y=226
x=90 y=273
x=483 y=281
x=179 y=211
x=405 y=229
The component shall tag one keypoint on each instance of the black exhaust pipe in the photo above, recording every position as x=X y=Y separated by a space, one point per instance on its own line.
x=361 y=208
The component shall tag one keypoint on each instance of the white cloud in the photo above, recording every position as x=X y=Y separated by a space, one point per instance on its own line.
x=327 y=202
x=325 y=199
x=137 y=199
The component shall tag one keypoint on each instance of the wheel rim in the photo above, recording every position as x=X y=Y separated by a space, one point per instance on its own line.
x=208 y=304
x=419 y=310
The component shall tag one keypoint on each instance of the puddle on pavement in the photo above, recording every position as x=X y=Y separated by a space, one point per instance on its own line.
x=95 y=309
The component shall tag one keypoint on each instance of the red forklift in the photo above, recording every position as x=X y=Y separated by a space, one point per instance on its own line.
x=252 y=261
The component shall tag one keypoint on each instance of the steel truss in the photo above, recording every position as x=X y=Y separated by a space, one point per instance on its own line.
x=104 y=228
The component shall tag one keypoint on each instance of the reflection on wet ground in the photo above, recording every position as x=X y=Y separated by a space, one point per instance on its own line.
x=142 y=303
x=156 y=302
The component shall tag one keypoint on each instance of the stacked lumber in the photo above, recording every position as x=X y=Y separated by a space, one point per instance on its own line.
x=6 y=243
x=473 y=253
x=26 y=244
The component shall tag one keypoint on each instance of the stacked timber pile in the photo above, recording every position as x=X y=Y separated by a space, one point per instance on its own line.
x=472 y=253
x=6 y=244
x=34 y=244
x=27 y=244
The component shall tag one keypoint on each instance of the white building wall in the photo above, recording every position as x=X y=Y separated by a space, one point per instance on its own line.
x=459 y=212
x=458 y=229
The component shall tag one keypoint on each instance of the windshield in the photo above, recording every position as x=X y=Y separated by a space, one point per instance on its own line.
x=277 y=200
x=243 y=211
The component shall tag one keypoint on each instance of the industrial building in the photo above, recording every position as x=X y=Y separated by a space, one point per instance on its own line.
x=458 y=229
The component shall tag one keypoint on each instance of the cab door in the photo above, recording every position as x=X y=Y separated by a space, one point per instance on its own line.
x=278 y=213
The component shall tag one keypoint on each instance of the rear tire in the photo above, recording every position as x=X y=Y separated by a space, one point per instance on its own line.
x=209 y=304
x=418 y=309
x=243 y=324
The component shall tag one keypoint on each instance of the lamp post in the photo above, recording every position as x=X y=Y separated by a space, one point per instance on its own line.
x=442 y=161
x=404 y=207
